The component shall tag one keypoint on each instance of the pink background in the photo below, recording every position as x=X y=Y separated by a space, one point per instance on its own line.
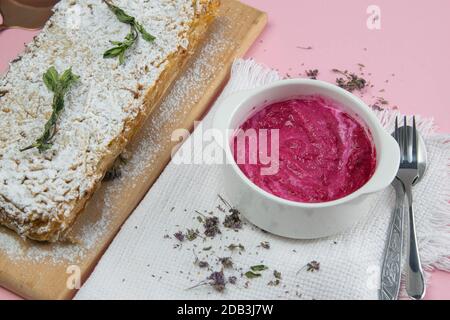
x=408 y=57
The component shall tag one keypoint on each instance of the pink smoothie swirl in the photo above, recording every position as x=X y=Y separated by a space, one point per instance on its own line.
x=324 y=153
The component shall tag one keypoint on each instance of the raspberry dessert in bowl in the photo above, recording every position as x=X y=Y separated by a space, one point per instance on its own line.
x=302 y=157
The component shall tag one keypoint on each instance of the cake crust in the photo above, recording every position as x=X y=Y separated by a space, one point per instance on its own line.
x=41 y=195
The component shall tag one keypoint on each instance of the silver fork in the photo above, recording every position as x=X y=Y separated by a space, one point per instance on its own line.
x=407 y=174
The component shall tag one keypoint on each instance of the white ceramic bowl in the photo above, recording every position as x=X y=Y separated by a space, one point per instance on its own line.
x=295 y=219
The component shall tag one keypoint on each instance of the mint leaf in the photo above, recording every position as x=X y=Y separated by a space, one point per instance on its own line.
x=130 y=39
x=59 y=86
x=145 y=35
x=259 y=267
x=252 y=275
x=51 y=79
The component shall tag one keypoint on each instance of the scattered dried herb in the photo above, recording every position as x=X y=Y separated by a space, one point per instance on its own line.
x=255 y=271
x=265 y=244
x=233 y=220
x=207 y=248
x=59 y=85
x=382 y=101
x=220 y=208
x=120 y=47
x=350 y=81
x=115 y=172
x=313 y=266
x=252 y=275
x=277 y=274
x=226 y=262
x=232 y=279
x=376 y=107
x=3 y=93
x=201 y=214
x=259 y=267
x=274 y=283
x=233 y=247
x=179 y=236
x=198 y=262
x=191 y=234
x=211 y=225
x=380 y=104
x=203 y=264
x=217 y=280
x=277 y=279
x=225 y=202
x=312 y=74
x=305 y=48
x=112 y=174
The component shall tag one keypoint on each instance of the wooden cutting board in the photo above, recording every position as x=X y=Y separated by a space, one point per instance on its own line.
x=53 y=271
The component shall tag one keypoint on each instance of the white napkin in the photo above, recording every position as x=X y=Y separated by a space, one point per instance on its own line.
x=142 y=264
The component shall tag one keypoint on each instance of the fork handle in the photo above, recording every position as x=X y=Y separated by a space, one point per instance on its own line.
x=392 y=263
x=415 y=283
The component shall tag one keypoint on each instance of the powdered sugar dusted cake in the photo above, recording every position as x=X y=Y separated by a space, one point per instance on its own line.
x=41 y=193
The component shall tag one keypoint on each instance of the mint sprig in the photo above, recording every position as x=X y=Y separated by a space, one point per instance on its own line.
x=59 y=85
x=120 y=47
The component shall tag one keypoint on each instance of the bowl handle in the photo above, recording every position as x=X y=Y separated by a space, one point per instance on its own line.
x=225 y=111
x=388 y=165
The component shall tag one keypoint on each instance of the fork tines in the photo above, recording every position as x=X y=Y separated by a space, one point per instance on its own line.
x=414 y=142
x=407 y=140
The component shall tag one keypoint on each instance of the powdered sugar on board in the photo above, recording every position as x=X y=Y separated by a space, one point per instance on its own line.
x=142 y=155
x=186 y=92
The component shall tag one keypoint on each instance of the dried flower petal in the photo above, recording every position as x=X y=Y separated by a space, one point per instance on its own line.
x=277 y=274
x=217 y=280
x=265 y=244
x=191 y=234
x=376 y=107
x=350 y=81
x=313 y=266
x=274 y=283
x=226 y=262
x=233 y=221
x=211 y=226
x=179 y=236
x=312 y=74
x=232 y=280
